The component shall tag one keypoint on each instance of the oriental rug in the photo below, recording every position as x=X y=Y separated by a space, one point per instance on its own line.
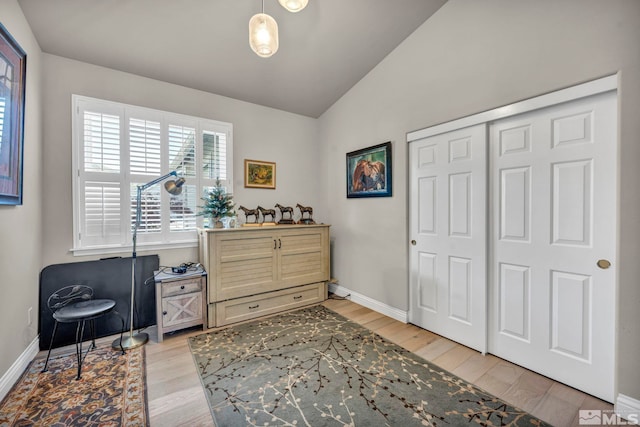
x=111 y=392
x=313 y=367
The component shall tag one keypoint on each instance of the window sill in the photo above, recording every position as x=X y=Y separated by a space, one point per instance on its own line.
x=121 y=249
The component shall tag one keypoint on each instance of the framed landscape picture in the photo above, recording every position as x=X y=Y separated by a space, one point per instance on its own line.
x=12 y=89
x=369 y=172
x=259 y=174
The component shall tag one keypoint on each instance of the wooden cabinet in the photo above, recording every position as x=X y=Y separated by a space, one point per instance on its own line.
x=255 y=263
x=180 y=301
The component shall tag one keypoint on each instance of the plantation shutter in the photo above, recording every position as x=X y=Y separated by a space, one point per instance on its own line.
x=182 y=158
x=144 y=147
x=145 y=163
x=116 y=148
x=102 y=212
x=214 y=156
x=100 y=176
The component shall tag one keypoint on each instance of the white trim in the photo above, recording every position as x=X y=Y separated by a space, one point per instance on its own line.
x=627 y=407
x=101 y=250
x=371 y=303
x=594 y=87
x=12 y=375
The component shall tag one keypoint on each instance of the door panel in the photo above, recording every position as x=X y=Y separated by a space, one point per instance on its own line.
x=448 y=225
x=553 y=192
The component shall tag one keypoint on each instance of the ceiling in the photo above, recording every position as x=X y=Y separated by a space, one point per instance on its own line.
x=204 y=44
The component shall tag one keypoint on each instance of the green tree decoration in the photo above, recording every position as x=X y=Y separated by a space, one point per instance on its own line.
x=217 y=205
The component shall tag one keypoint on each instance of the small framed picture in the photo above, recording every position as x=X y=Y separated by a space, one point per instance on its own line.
x=259 y=174
x=369 y=172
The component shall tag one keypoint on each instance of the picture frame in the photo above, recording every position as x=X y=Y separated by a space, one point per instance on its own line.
x=13 y=66
x=259 y=174
x=369 y=172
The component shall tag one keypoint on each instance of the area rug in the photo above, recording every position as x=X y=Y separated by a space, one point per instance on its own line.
x=313 y=367
x=111 y=392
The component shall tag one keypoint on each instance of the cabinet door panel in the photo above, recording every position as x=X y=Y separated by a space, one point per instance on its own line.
x=244 y=266
x=303 y=256
x=182 y=309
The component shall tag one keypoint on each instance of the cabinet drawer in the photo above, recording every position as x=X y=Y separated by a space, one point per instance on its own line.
x=180 y=287
x=240 y=309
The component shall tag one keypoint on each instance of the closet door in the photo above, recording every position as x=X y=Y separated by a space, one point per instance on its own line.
x=448 y=204
x=553 y=239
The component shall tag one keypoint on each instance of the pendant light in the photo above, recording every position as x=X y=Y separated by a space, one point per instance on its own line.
x=294 y=5
x=263 y=34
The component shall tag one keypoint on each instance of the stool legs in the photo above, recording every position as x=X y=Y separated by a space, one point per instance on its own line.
x=53 y=335
x=79 y=339
x=79 y=336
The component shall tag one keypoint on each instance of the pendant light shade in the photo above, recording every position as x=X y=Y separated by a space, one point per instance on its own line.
x=263 y=35
x=294 y=5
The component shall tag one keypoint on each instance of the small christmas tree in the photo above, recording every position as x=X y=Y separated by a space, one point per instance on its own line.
x=217 y=205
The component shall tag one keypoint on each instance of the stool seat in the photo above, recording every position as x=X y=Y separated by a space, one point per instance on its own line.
x=84 y=310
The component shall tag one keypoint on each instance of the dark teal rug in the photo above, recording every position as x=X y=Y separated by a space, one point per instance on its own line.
x=313 y=367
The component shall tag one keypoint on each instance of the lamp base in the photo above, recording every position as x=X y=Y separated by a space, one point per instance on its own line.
x=131 y=341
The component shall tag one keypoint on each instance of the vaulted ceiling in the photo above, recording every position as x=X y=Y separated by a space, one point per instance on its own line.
x=204 y=44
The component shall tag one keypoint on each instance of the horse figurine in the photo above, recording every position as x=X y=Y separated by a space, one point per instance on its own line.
x=250 y=212
x=265 y=212
x=283 y=210
x=303 y=210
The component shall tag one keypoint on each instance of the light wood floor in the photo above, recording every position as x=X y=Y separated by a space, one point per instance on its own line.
x=176 y=397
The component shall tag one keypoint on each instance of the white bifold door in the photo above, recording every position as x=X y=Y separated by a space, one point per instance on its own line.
x=515 y=251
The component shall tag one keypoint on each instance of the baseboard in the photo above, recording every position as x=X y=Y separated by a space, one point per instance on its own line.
x=371 y=303
x=15 y=371
x=628 y=408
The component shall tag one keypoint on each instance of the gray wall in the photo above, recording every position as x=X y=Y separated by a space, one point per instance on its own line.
x=470 y=57
x=260 y=133
x=20 y=226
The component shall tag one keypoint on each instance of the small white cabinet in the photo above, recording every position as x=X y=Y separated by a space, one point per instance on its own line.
x=180 y=301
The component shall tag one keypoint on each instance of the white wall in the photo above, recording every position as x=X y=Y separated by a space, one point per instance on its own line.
x=470 y=57
x=260 y=133
x=20 y=226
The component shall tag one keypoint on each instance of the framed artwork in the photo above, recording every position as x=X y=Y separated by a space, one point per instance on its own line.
x=369 y=172
x=13 y=66
x=259 y=174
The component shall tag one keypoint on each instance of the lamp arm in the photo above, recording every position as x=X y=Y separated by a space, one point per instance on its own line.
x=141 y=188
x=157 y=180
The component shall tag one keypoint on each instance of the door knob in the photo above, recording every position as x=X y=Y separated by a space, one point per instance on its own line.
x=413 y=242
x=603 y=264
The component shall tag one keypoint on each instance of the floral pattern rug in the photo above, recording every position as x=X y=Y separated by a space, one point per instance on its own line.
x=111 y=392
x=313 y=367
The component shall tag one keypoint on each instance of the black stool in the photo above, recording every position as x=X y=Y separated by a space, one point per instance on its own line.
x=76 y=304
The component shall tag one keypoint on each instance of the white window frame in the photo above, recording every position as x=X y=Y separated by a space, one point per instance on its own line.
x=165 y=239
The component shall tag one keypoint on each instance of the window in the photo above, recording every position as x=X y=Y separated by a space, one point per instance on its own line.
x=118 y=147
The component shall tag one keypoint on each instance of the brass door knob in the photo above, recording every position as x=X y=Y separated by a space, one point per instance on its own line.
x=413 y=242
x=603 y=263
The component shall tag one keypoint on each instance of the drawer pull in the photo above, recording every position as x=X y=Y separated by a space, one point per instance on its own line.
x=298 y=297
x=164 y=313
x=182 y=287
x=251 y=307
x=275 y=244
x=279 y=244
